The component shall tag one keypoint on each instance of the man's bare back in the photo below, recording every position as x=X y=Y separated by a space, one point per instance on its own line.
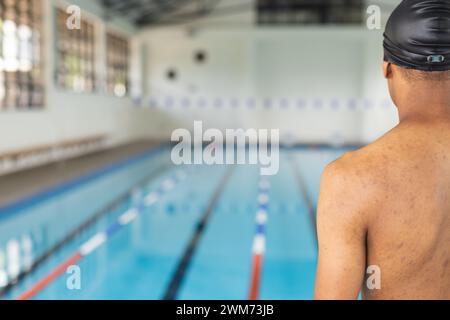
x=383 y=217
x=406 y=173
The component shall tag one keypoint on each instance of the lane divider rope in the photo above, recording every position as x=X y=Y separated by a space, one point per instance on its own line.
x=70 y=236
x=259 y=241
x=102 y=237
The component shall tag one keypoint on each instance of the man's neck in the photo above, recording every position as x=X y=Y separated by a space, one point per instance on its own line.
x=424 y=104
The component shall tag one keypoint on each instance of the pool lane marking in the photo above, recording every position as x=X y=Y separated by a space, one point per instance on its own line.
x=100 y=238
x=180 y=272
x=259 y=241
x=76 y=231
x=310 y=207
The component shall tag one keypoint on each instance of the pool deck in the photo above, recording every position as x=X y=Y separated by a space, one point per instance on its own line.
x=19 y=185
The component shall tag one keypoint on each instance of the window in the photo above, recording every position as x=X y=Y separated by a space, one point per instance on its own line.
x=21 y=76
x=75 y=60
x=284 y=12
x=117 y=52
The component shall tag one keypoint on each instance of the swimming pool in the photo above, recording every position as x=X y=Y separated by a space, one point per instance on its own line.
x=193 y=242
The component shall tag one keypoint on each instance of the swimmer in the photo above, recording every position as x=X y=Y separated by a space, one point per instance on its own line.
x=388 y=204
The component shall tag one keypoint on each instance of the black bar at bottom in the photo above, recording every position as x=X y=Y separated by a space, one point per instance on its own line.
x=230 y=309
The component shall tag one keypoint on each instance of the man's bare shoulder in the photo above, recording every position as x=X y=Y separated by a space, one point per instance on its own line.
x=346 y=187
x=358 y=168
x=378 y=163
x=362 y=179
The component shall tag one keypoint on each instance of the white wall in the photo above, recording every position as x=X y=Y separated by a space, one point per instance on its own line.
x=334 y=65
x=68 y=115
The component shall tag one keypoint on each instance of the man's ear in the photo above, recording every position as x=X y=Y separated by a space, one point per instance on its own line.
x=387 y=69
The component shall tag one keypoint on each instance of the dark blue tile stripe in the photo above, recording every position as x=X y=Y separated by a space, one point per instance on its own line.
x=16 y=207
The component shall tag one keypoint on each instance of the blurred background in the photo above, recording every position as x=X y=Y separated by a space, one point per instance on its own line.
x=90 y=93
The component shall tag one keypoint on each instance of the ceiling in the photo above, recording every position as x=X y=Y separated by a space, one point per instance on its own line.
x=155 y=12
x=310 y=11
x=151 y=12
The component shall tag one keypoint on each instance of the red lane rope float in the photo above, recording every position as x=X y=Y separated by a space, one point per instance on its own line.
x=256 y=277
x=52 y=276
x=100 y=238
x=259 y=242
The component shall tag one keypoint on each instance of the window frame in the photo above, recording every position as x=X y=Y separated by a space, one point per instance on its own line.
x=110 y=31
x=34 y=79
x=95 y=22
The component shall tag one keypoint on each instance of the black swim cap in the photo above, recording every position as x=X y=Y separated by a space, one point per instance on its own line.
x=417 y=35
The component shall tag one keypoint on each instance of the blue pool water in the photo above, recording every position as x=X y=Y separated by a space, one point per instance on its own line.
x=140 y=261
